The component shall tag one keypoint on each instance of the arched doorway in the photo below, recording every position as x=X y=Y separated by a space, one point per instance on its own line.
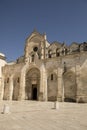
x=32 y=84
x=34 y=91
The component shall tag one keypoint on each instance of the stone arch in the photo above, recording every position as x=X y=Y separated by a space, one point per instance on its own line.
x=16 y=86
x=32 y=84
x=6 y=87
x=52 y=86
x=70 y=88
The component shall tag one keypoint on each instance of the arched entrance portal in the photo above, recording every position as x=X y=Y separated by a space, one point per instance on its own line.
x=32 y=84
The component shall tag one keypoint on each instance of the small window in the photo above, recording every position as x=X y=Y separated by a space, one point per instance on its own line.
x=66 y=51
x=51 y=76
x=57 y=54
x=49 y=55
x=35 y=49
x=18 y=80
x=7 y=80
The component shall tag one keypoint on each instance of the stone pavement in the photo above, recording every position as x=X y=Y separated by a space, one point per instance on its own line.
x=31 y=115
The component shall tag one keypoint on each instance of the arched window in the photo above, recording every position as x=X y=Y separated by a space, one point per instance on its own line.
x=66 y=51
x=49 y=54
x=57 y=52
x=7 y=80
x=51 y=76
x=18 y=80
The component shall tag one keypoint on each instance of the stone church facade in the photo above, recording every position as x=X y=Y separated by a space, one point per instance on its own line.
x=46 y=72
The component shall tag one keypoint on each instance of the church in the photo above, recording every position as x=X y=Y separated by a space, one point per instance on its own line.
x=46 y=72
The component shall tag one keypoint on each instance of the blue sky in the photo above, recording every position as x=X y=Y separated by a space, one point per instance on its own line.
x=62 y=20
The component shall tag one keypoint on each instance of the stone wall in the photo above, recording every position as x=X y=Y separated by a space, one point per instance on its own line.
x=2 y=63
x=11 y=81
x=62 y=72
x=82 y=87
x=52 y=87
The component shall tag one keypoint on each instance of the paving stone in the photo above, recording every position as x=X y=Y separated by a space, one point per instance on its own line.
x=29 y=115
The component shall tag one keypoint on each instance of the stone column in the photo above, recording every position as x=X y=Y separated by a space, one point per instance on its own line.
x=60 y=85
x=22 y=87
x=41 y=90
x=78 y=82
x=42 y=50
x=43 y=84
x=10 y=88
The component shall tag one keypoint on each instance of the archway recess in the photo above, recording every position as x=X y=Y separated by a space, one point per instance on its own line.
x=70 y=87
x=52 y=87
x=32 y=84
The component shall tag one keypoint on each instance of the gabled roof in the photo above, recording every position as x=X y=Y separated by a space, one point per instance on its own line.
x=33 y=35
x=54 y=45
x=74 y=44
